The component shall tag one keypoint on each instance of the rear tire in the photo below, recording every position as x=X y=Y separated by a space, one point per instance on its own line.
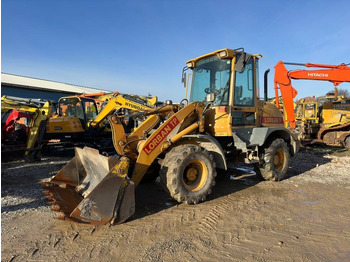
x=274 y=163
x=188 y=173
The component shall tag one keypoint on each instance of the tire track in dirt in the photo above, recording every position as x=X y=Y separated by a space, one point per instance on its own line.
x=293 y=220
x=202 y=221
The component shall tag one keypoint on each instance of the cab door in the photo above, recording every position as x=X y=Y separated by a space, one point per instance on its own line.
x=243 y=109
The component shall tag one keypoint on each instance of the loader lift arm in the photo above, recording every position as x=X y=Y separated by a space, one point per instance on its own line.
x=179 y=122
x=336 y=74
x=106 y=179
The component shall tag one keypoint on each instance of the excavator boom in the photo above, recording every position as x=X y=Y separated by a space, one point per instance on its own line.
x=120 y=101
x=336 y=74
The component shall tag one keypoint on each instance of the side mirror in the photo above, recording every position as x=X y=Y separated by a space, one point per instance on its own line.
x=183 y=80
x=241 y=62
x=210 y=97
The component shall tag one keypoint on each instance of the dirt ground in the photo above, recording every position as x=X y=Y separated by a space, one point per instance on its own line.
x=303 y=218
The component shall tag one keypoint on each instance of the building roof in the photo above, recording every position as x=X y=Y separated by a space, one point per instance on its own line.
x=45 y=85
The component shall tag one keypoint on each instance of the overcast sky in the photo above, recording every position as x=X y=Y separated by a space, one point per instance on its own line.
x=141 y=46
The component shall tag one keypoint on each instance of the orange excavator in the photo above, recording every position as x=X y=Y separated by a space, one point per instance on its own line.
x=334 y=124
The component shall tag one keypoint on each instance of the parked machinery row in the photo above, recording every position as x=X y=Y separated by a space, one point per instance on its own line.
x=185 y=143
x=31 y=125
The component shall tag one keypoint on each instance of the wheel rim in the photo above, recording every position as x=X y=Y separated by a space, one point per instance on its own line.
x=279 y=160
x=195 y=175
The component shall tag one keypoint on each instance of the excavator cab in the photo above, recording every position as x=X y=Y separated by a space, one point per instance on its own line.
x=83 y=108
x=75 y=114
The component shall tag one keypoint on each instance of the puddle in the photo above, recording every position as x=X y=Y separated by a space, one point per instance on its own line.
x=246 y=169
x=242 y=173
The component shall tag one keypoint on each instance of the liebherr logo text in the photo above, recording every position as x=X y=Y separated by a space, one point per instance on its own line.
x=317 y=75
x=161 y=135
x=133 y=106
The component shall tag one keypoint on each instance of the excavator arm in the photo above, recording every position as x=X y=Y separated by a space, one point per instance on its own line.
x=336 y=74
x=120 y=101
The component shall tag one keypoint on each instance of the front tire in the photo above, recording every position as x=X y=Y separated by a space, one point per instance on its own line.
x=347 y=142
x=273 y=165
x=188 y=173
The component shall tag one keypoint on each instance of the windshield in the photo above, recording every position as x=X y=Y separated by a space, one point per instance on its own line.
x=71 y=107
x=211 y=76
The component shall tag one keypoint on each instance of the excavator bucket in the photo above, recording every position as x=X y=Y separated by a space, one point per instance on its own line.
x=92 y=189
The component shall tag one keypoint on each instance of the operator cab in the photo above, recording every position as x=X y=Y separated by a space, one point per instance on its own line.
x=83 y=108
x=228 y=80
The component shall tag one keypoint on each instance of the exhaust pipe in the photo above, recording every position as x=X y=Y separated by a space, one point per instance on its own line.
x=265 y=84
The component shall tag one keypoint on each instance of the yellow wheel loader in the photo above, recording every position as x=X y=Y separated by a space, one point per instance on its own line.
x=223 y=120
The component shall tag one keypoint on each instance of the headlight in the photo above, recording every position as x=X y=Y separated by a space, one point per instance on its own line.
x=189 y=65
x=223 y=54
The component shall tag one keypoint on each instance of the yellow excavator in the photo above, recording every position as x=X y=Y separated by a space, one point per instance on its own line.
x=222 y=120
x=79 y=121
x=23 y=125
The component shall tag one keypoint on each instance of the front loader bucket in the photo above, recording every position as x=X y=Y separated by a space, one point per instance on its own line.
x=92 y=189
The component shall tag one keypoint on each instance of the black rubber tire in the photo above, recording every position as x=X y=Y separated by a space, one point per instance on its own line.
x=347 y=142
x=188 y=173
x=274 y=163
x=152 y=173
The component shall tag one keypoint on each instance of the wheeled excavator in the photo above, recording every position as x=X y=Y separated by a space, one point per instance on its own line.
x=222 y=120
x=17 y=136
x=331 y=125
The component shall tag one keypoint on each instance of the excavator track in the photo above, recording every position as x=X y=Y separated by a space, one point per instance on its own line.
x=334 y=136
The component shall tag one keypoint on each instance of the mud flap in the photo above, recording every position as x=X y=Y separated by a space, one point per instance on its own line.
x=92 y=189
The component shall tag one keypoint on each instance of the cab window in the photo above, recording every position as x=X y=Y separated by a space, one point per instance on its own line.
x=244 y=86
